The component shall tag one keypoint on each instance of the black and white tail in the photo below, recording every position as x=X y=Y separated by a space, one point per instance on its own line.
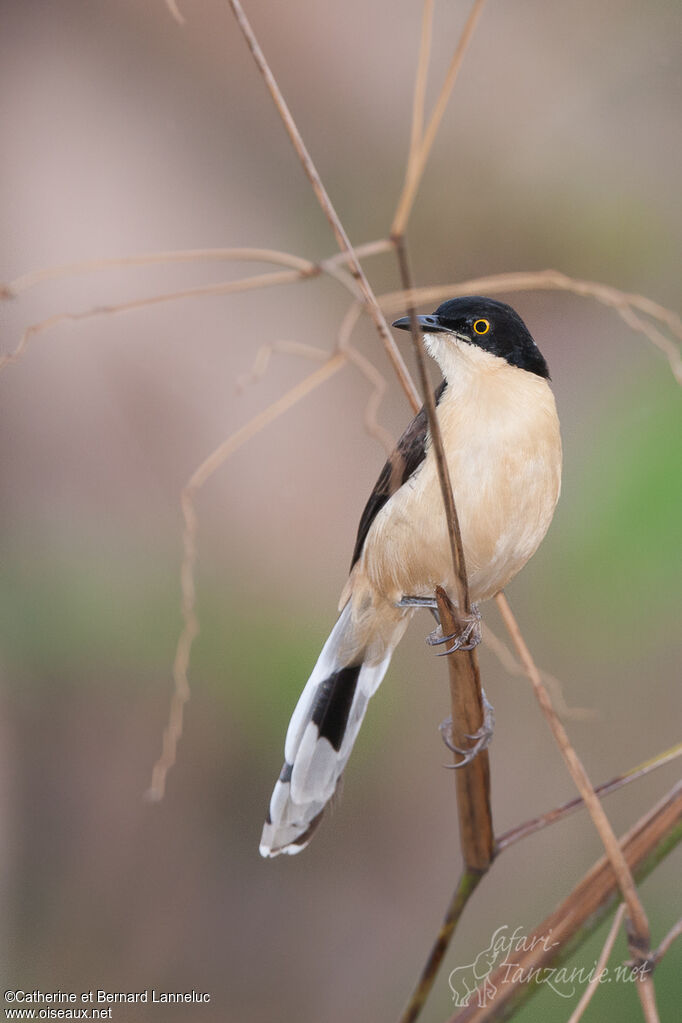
x=324 y=727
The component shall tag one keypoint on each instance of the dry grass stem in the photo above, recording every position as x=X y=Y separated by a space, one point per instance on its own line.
x=175 y=12
x=591 y=988
x=673 y=934
x=225 y=288
x=264 y=355
x=190 y=629
x=416 y=166
x=421 y=80
x=221 y=255
x=552 y=816
x=361 y=362
x=302 y=269
x=579 y=914
x=623 y=302
x=344 y=351
x=470 y=879
x=454 y=533
x=326 y=204
x=638 y=930
x=472 y=780
x=466 y=886
x=379 y=385
x=506 y=658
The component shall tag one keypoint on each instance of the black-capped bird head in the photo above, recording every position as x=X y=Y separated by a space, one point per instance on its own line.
x=492 y=326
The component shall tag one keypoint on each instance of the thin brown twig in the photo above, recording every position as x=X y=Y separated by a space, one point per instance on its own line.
x=454 y=532
x=326 y=204
x=598 y=972
x=415 y=171
x=360 y=361
x=673 y=934
x=379 y=385
x=333 y=361
x=605 y=789
x=302 y=269
x=242 y=254
x=225 y=288
x=469 y=880
x=175 y=12
x=264 y=355
x=506 y=658
x=578 y=915
x=638 y=929
x=554 y=280
x=221 y=255
x=534 y=280
x=190 y=629
x=466 y=887
x=472 y=779
x=421 y=79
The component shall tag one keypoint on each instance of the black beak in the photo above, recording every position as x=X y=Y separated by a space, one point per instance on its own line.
x=430 y=324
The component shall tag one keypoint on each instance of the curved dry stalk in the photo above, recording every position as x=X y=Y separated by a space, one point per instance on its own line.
x=421 y=79
x=466 y=886
x=520 y=831
x=470 y=879
x=379 y=385
x=367 y=369
x=301 y=269
x=553 y=280
x=536 y=280
x=416 y=168
x=225 y=288
x=638 y=925
x=506 y=658
x=190 y=629
x=264 y=355
x=326 y=204
x=673 y=934
x=375 y=377
x=333 y=361
x=454 y=532
x=175 y=12
x=221 y=255
x=591 y=988
x=646 y=844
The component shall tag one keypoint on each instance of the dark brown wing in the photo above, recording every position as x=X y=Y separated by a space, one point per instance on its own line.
x=405 y=459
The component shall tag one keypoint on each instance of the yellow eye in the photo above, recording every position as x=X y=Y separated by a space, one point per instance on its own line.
x=481 y=326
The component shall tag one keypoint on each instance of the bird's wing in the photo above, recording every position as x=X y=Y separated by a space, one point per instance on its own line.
x=403 y=462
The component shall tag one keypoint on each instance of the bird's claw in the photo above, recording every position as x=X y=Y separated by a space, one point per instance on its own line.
x=481 y=738
x=467 y=638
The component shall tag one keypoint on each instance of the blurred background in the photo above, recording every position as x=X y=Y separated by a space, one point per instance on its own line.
x=125 y=133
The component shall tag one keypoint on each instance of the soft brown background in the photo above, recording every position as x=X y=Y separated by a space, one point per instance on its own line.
x=124 y=133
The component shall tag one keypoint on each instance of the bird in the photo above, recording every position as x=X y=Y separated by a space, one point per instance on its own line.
x=500 y=431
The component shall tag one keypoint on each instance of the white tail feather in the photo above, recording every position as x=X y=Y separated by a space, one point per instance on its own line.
x=322 y=731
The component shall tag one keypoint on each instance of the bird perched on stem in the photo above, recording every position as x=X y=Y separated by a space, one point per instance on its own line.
x=501 y=438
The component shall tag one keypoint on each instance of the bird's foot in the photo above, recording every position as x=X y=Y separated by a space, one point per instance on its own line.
x=481 y=738
x=466 y=639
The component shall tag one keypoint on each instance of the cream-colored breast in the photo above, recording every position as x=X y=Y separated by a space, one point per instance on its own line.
x=501 y=437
